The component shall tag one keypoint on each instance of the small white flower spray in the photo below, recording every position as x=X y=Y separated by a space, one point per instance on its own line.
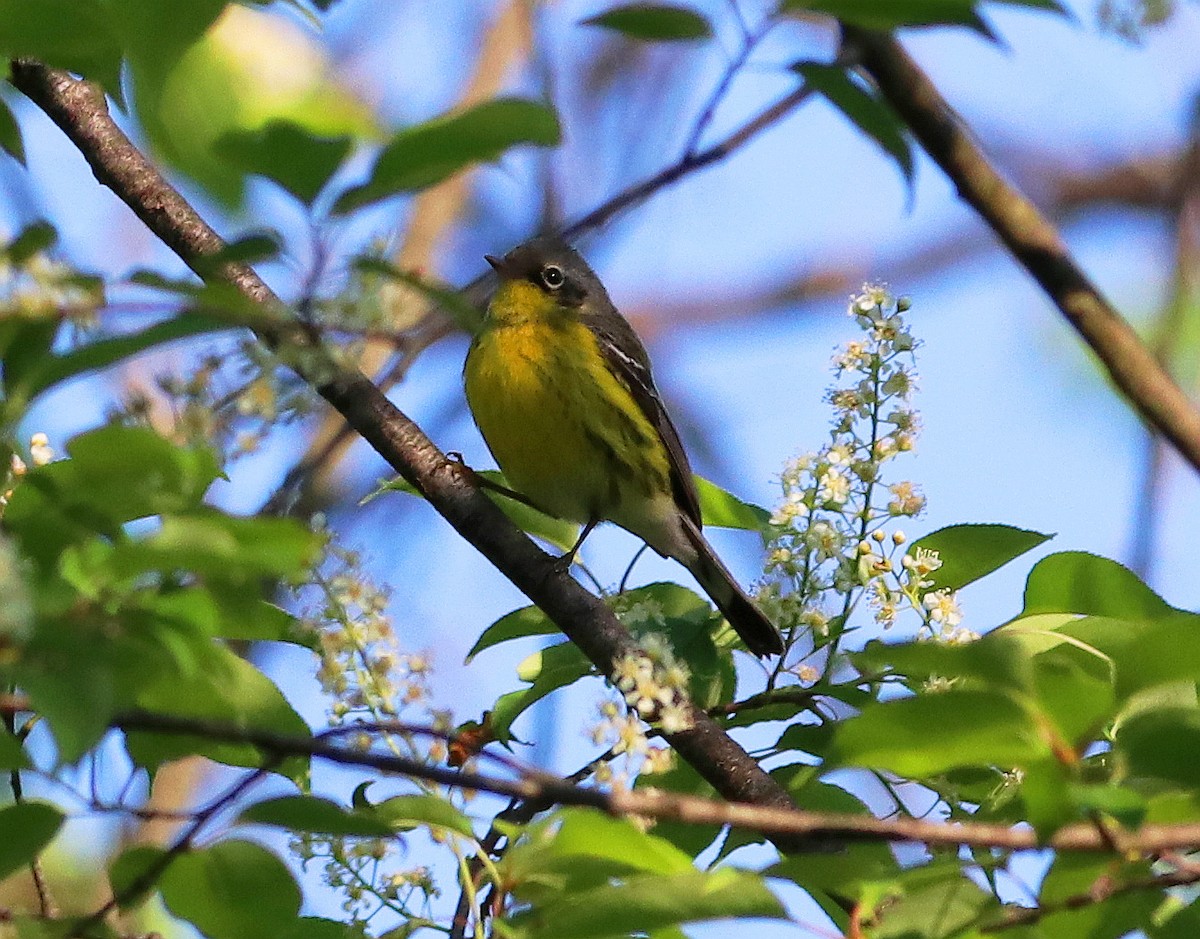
x=834 y=541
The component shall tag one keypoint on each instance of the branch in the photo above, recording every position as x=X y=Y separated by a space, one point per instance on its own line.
x=1101 y=891
x=146 y=880
x=1033 y=241
x=781 y=823
x=80 y=110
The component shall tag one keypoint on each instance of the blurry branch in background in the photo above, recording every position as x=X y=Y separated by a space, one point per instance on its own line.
x=1033 y=241
x=1169 y=334
x=80 y=110
x=505 y=46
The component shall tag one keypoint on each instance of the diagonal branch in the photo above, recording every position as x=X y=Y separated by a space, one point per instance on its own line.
x=1031 y=238
x=80 y=110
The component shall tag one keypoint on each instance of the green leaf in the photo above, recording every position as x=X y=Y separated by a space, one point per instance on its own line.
x=105 y=352
x=420 y=156
x=548 y=670
x=722 y=509
x=1162 y=744
x=894 y=14
x=527 y=621
x=1076 y=582
x=999 y=660
x=132 y=866
x=34 y=238
x=202 y=86
x=10 y=134
x=403 y=813
x=873 y=116
x=299 y=160
x=648 y=902
x=653 y=22
x=220 y=547
x=226 y=688
x=12 y=753
x=233 y=890
x=932 y=904
x=305 y=813
x=28 y=827
x=76 y=35
x=885 y=16
x=969 y=552
x=589 y=833
x=1074 y=875
x=973 y=727
x=115 y=474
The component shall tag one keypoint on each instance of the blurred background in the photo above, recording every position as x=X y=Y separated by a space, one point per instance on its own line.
x=737 y=277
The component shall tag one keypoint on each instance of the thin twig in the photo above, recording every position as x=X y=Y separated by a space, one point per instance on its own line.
x=1024 y=916
x=158 y=866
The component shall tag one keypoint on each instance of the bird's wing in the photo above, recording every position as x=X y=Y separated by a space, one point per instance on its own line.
x=627 y=357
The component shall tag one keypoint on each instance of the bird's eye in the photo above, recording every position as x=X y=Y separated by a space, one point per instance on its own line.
x=552 y=277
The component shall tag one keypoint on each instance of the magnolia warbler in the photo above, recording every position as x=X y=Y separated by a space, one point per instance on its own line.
x=560 y=387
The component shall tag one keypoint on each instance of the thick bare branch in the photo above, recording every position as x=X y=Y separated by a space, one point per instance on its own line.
x=1031 y=238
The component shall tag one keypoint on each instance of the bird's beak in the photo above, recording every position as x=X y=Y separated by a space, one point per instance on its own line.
x=500 y=266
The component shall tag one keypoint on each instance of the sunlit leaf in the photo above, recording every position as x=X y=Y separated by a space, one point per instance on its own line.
x=648 y=902
x=1077 y=582
x=969 y=552
x=403 y=813
x=722 y=509
x=548 y=670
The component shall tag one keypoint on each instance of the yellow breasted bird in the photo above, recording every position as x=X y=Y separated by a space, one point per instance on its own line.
x=560 y=387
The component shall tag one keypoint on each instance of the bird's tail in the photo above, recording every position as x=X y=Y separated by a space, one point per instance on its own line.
x=748 y=621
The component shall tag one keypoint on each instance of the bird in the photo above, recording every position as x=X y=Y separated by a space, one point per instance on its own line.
x=560 y=387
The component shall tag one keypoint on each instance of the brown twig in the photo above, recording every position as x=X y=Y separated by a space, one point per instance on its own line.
x=535 y=786
x=80 y=110
x=1024 y=916
x=1033 y=240
x=158 y=866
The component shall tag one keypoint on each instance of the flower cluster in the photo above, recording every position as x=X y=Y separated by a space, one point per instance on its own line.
x=833 y=542
x=40 y=453
x=33 y=285
x=362 y=668
x=229 y=401
x=369 y=680
x=653 y=684
x=357 y=868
